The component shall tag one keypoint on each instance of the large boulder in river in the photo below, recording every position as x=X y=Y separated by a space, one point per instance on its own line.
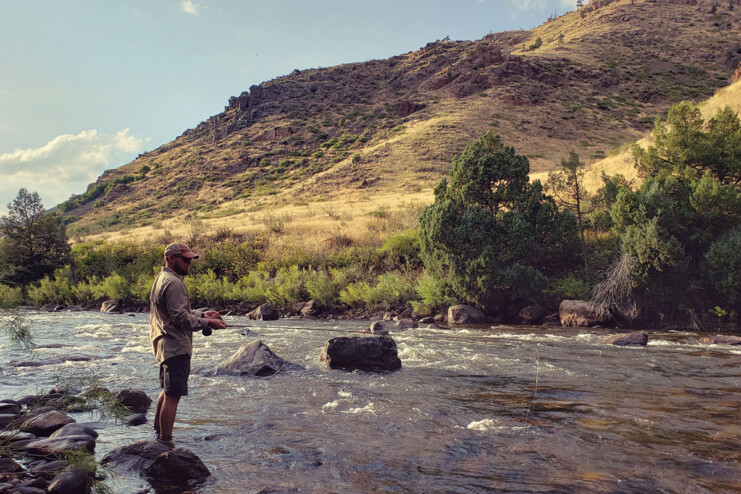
x=266 y=312
x=134 y=399
x=71 y=480
x=465 y=314
x=361 y=352
x=577 y=313
x=46 y=423
x=58 y=446
x=136 y=456
x=254 y=359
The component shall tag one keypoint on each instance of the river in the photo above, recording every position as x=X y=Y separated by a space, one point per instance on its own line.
x=478 y=409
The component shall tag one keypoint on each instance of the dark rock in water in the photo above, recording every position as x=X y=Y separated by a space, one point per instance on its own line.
x=365 y=353
x=15 y=436
x=266 y=312
x=279 y=489
x=578 y=313
x=71 y=481
x=721 y=339
x=75 y=429
x=52 y=307
x=49 y=468
x=135 y=419
x=533 y=314
x=25 y=400
x=254 y=359
x=134 y=399
x=631 y=339
x=75 y=308
x=136 y=456
x=377 y=327
x=46 y=423
x=33 y=363
x=55 y=447
x=176 y=467
x=465 y=314
x=9 y=420
x=407 y=324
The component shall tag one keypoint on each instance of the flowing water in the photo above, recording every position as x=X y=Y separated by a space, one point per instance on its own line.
x=480 y=409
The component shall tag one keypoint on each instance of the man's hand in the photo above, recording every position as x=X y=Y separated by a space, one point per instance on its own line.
x=211 y=314
x=215 y=323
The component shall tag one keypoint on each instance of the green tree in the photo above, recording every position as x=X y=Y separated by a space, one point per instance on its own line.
x=490 y=233
x=34 y=243
x=567 y=187
x=689 y=198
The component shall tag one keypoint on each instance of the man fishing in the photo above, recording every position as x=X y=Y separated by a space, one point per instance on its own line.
x=171 y=327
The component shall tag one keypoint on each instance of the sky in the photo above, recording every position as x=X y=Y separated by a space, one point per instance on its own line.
x=87 y=85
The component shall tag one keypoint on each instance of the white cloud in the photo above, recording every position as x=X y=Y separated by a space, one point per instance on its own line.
x=541 y=5
x=65 y=165
x=189 y=7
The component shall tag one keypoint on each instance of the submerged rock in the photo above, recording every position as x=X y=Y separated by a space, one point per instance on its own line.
x=254 y=359
x=359 y=352
x=178 y=466
x=631 y=339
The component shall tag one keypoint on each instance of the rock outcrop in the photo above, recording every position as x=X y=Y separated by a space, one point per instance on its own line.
x=465 y=314
x=266 y=312
x=577 y=313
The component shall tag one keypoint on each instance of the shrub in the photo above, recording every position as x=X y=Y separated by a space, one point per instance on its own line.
x=724 y=266
x=10 y=297
x=114 y=287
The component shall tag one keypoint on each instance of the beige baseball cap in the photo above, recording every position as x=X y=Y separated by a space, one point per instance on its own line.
x=180 y=249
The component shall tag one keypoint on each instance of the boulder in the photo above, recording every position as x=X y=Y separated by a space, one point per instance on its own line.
x=721 y=339
x=533 y=314
x=74 y=429
x=176 y=467
x=46 y=423
x=49 y=469
x=75 y=308
x=266 y=312
x=254 y=359
x=109 y=306
x=310 y=308
x=465 y=314
x=10 y=408
x=52 y=307
x=577 y=313
x=377 y=327
x=630 y=339
x=407 y=324
x=15 y=436
x=135 y=419
x=365 y=353
x=427 y=320
x=7 y=420
x=55 y=447
x=135 y=400
x=71 y=481
x=136 y=456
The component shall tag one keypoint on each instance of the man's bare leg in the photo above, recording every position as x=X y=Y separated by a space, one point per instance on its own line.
x=167 y=414
x=160 y=401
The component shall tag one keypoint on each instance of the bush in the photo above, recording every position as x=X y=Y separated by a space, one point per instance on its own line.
x=10 y=297
x=724 y=266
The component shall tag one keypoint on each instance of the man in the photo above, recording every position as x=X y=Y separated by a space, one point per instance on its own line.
x=171 y=327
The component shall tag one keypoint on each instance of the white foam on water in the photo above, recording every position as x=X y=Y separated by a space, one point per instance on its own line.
x=136 y=349
x=331 y=405
x=369 y=408
x=492 y=425
x=344 y=394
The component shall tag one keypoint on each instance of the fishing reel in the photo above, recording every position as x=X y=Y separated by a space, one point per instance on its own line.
x=207 y=332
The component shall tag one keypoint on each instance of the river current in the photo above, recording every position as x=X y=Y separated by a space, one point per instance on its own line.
x=476 y=409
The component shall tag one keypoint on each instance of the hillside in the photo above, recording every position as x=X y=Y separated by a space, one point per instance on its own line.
x=345 y=141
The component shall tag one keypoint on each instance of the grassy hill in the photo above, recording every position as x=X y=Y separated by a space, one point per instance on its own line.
x=336 y=154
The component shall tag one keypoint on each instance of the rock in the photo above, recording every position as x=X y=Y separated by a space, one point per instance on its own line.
x=533 y=314
x=12 y=437
x=178 y=466
x=254 y=359
x=11 y=408
x=407 y=324
x=71 y=481
x=109 y=306
x=388 y=316
x=52 y=307
x=135 y=419
x=266 y=312
x=9 y=466
x=46 y=423
x=55 y=447
x=365 y=353
x=577 y=313
x=310 y=308
x=134 y=399
x=75 y=308
x=296 y=307
x=74 y=429
x=427 y=320
x=27 y=489
x=49 y=468
x=631 y=339
x=465 y=314
x=136 y=456
x=377 y=327
x=9 y=419
x=721 y=339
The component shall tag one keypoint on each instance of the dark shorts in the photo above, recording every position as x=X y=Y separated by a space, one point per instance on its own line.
x=174 y=374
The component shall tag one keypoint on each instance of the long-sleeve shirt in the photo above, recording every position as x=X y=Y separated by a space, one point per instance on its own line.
x=171 y=320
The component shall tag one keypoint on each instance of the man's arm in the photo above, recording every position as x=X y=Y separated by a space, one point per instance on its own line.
x=179 y=311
